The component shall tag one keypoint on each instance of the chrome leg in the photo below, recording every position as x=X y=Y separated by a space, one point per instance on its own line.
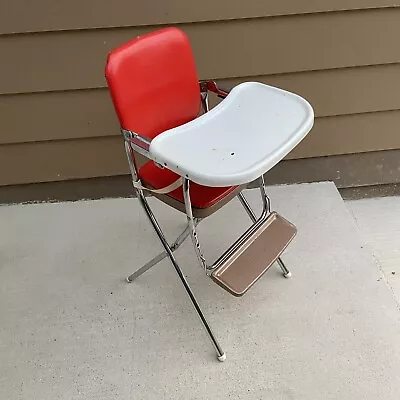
x=265 y=198
x=286 y=272
x=146 y=267
x=160 y=257
x=247 y=207
x=204 y=101
x=192 y=224
x=250 y=212
x=220 y=354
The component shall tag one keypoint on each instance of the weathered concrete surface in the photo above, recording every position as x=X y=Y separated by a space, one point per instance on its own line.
x=72 y=328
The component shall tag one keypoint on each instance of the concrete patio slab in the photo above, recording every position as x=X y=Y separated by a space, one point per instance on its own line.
x=378 y=221
x=72 y=328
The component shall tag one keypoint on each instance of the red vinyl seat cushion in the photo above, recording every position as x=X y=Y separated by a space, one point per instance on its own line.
x=153 y=82
x=154 y=87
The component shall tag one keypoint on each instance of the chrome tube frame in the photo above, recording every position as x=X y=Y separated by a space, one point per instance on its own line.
x=192 y=224
x=204 y=101
x=220 y=354
x=247 y=207
x=246 y=235
x=253 y=217
x=265 y=198
x=131 y=161
x=138 y=143
x=174 y=246
x=211 y=86
x=286 y=272
x=169 y=251
x=266 y=201
x=256 y=223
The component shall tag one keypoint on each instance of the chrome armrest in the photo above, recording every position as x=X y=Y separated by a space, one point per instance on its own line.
x=211 y=86
x=138 y=143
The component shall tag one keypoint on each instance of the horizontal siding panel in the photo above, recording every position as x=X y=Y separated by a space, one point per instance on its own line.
x=61 y=160
x=57 y=115
x=18 y=16
x=339 y=91
x=349 y=170
x=351 y=134
x=262 y=46
x=89 y=113
x=85 y=158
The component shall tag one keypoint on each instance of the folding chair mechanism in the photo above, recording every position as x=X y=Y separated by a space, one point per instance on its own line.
x=204 y=161
x=227 y=270
x=169 y=250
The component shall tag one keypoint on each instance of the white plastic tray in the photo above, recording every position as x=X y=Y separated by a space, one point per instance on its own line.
x=238 y=140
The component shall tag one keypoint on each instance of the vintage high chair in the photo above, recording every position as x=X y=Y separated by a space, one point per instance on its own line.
x=199 y=161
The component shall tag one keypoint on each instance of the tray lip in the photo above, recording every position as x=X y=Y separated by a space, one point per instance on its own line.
x=182 y=162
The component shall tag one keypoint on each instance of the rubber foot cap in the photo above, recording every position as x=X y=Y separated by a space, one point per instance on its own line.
x=222 y=358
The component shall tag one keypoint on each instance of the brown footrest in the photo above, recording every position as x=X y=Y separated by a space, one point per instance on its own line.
x=247 y=264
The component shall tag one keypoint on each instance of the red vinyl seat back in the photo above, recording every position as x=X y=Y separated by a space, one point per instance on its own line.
x=153 y=82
